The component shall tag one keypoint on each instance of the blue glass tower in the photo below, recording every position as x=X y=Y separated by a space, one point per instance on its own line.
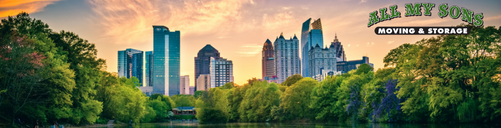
x=130 y=64
x=166 y=61
x=305 y=47
x=310 y=38
x=147 y=68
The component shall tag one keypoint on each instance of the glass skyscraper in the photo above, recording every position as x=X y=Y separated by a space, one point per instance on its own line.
x=166 y=61
x=130 y=63
x=305 y=47
x=147 y=68
x=309 y=39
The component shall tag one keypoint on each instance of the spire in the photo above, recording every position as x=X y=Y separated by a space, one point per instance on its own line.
x=295 y=36
x=335 y=38
x=282 y=34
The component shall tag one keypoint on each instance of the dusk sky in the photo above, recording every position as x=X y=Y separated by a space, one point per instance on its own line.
x=237 y=28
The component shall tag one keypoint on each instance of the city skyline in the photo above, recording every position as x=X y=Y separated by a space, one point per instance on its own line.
x=236 y=28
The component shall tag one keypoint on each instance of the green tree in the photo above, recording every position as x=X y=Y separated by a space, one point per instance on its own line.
x=296 y=98
x=292 y=79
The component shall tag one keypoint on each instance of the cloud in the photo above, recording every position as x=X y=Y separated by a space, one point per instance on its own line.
x=362 y=1
x=250 y=50
x=349 y=45
x=131 y=21
x=14 y=7
x=492 y=18
x=358 y=45
x=391 y=42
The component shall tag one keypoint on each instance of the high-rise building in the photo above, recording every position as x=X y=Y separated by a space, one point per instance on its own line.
x=221 y=72
x=148 y=57
x=341 y=56
x=166 y=61
x=322 y=60
x=314 y=37
x=130 y=64
x=305 y=47
x=287 y=62
x=203 y=81
x=202 y=61
x=268 y=62
x=346 y=66
x=184 y=84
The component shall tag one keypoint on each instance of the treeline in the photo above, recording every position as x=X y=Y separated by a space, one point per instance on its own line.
x=447 y=78
x=49 y=76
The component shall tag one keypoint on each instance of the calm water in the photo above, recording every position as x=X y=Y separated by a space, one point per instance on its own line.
x=292 y=125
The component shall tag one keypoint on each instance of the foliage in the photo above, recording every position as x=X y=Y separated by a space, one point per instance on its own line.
x=292 y=79
x=296 y=98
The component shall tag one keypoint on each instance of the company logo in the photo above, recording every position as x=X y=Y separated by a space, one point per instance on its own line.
x=416 y=10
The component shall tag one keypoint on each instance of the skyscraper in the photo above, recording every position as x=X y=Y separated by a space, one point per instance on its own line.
x=147 y=68
x=221 y=72
x=202 y=61
x=166 y=61
x=305 y=47
x=130 y=63
x=268 y=69
x=313 y=37
x=341 y=56
x=287 y=60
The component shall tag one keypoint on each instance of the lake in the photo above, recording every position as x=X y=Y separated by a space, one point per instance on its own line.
x=316 y=125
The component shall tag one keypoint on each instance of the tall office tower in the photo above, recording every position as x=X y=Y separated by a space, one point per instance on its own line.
x=203 y=81
x=202 y=61
x=221 y=72
x=316 y=34
x=305 y=47
x=309 y=39
x=184 y=84
x=166 y=63
x=322 y=60
x=287 y=60
x=130 y=63
x=341 y=56
x=147 y=68
x=268 y=69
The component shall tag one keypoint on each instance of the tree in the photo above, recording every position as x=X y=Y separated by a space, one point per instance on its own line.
x=296 y=98
x=292 y=79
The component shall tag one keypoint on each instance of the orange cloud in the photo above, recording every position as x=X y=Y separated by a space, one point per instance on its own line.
x=13 y=7
x=131 y=20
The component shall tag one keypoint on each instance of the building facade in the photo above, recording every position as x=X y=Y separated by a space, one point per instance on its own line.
x=166 y=61
x=287 y=61
x=341 y=56
x=268 y=62
x=322 y=60
x=148 y=57
x=192 y=90
x=202 y=61
x=203 y=81
x=346 y=66
x=305 y=46
x=221 y=72
x=310 y=38
x=184 y=84
x=130 y=64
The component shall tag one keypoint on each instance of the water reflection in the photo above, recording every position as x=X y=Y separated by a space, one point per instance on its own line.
x=298 y=125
